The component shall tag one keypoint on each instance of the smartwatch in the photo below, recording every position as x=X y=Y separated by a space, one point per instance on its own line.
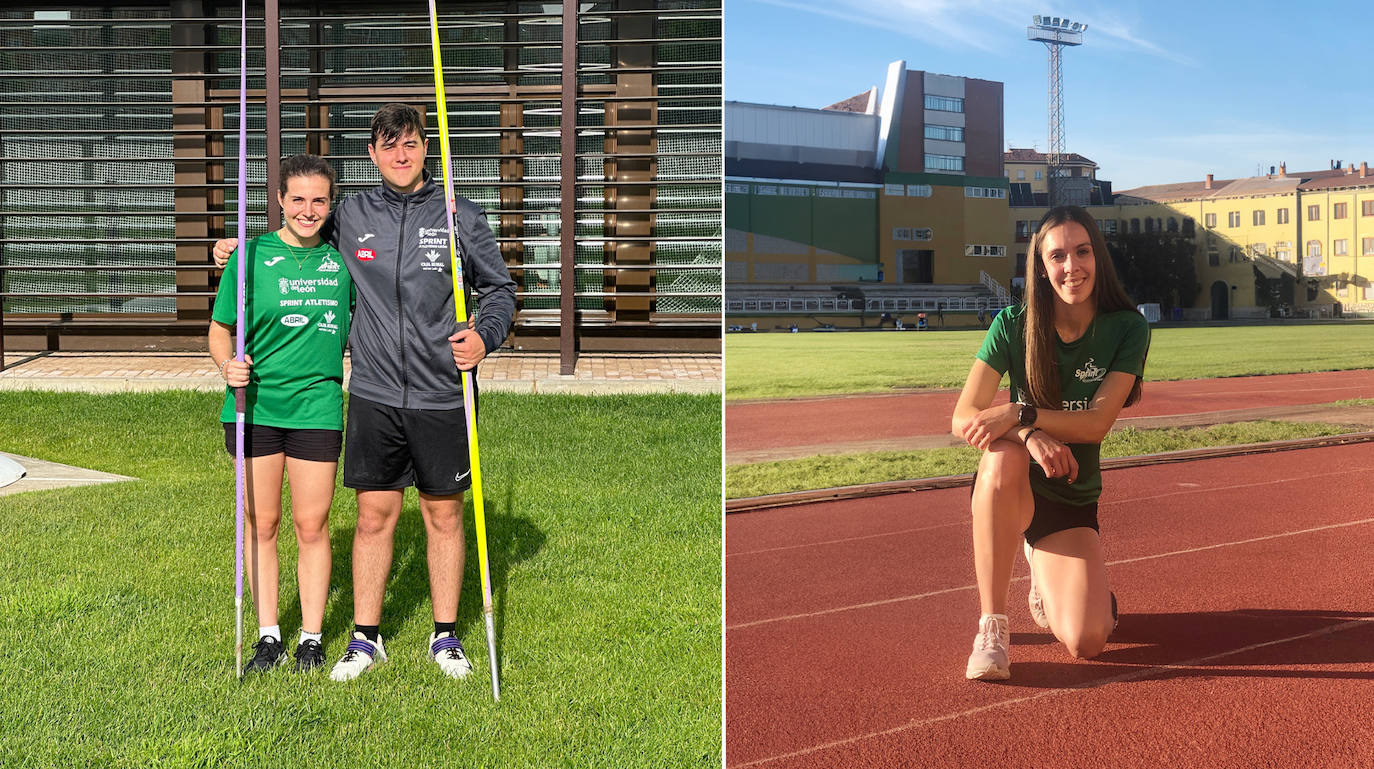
x=1026 y=416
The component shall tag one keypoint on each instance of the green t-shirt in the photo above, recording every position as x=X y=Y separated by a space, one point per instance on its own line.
x=1114 y=341
x=297 y=309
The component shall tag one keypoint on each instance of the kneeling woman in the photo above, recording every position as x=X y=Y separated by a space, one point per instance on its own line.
x=298 y=301
x=1075 y=353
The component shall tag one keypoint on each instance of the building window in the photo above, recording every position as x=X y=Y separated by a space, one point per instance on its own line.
x=912 y=233
x=1024 y=229
x=1259 y=249
x=1234 y=255
x=918 y=191
x=997 y=193
x=1213 y=260
x=1283 y=251
x=1339 y=211
x=1233 y=219
x=944 y=163
x=977 y=249
x=944 y=133
x=1188 y=226
x=1021 y=175
x=1367 y=208
x=1149 y=224
x=1281 y=216
x=1340 y=247
x=1172 y=225
x=1257 y=217
x=1314 y=248
x=944 y=103
x=1314 y=213
x=1209 y=220
x=1108 y=226
x=1135 y=226
x=1367 y=246
x=1039 y=175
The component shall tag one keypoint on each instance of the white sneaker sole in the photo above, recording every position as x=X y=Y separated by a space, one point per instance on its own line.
x=989 y=672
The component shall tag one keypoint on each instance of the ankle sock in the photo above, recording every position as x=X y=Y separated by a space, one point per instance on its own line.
x=272 y=630
x=446 y=627
x=369 y=632
x=316 y=637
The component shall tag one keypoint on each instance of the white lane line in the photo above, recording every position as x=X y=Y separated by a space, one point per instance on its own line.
x=879 y=535
x=1118 y=562
x=1132 y=500
x=1144 y=671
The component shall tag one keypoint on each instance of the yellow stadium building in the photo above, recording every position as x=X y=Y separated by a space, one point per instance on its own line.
x=1280 y=244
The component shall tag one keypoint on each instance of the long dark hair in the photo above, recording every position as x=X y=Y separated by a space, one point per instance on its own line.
x=1042 y=364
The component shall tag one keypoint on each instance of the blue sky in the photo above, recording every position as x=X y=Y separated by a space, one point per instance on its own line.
x=1159 y=91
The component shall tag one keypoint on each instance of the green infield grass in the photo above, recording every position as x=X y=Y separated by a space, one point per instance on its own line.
x=822 y=472
x=808 y=364
x=603 y=518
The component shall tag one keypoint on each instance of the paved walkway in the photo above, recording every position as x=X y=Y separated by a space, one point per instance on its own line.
x=506 y=371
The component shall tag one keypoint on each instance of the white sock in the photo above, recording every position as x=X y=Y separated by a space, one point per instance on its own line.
x=999 y=617
x=316 y=637
x=274 y=631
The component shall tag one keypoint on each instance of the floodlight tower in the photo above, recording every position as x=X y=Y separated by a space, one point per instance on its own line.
x=1056 y=32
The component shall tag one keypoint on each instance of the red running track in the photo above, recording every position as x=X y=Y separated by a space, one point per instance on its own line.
x=1246 y=636
x=805 y=422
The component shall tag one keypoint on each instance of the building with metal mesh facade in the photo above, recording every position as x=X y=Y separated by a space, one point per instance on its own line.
x=118 y=154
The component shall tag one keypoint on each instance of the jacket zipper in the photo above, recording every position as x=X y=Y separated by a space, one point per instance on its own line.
x=400 y=327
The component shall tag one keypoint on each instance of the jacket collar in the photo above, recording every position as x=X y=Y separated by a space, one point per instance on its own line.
x=421 y=194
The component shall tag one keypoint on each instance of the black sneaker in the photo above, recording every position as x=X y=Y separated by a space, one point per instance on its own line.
x=309 y=655
x=268 y=653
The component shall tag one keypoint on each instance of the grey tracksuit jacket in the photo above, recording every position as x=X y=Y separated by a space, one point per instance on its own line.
x=396 y=248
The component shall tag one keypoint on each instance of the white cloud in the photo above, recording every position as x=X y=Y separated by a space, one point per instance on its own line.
x=985 y=25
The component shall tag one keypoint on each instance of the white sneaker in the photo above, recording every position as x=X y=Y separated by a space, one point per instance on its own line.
x=989 y=660
x=448 y=652
x=359 y=656
x=1037 y=604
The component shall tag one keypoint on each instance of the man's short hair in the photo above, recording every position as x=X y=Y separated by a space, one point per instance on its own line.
x=394 y=121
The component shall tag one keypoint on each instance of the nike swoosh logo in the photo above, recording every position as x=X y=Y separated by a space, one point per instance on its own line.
x=461 y=476
x=364 y=238
x=273 y=260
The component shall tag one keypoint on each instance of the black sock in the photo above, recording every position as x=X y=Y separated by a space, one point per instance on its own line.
x=446 y=627
x=369 y=632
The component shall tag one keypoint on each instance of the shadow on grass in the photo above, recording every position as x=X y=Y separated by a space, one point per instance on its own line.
x=510 y=539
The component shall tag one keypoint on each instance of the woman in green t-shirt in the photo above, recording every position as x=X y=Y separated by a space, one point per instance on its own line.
x=298 y=304
x=1075 y=355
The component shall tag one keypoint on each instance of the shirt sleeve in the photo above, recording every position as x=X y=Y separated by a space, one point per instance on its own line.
x=226 y=309
x=1135 y=342
x=998 y=343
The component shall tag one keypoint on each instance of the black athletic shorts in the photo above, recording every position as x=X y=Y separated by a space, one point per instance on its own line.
x=1051 y=516
x=264 y=440
x=391 y=448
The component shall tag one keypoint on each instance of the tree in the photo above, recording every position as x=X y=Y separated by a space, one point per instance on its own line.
x=1156 y=267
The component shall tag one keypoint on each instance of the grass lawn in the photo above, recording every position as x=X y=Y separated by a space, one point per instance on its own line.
x=603 y=518
x=794 y=365
x=824 y=472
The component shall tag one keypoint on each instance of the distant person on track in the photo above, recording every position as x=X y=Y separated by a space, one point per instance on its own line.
x=1075 y=353
x=298 y=303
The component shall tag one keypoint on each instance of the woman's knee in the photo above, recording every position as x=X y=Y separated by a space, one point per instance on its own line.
x=1085 y=642
x=1005 y=463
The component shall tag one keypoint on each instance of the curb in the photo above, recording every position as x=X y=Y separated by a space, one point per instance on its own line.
x=795 y=498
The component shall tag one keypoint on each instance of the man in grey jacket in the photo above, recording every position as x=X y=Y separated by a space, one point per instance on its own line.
x=405 y=419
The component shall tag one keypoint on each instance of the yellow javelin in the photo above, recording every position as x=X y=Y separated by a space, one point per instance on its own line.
x=460 y=309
